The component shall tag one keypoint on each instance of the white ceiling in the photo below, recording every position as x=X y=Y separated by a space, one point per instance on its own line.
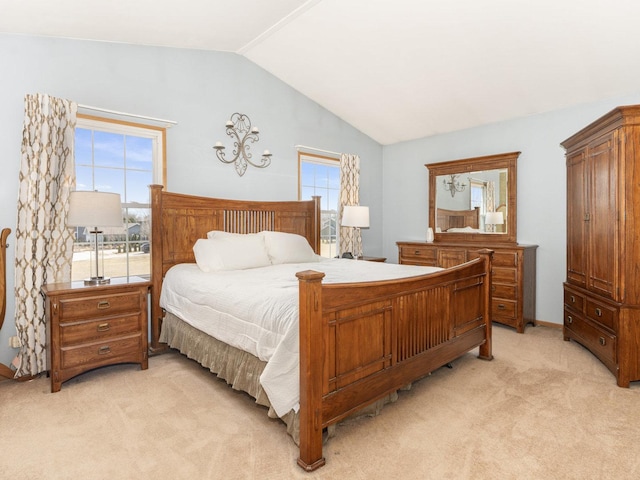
x=395 y=69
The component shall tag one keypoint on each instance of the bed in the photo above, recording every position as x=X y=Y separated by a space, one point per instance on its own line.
x=458 y=220
x=358 y=342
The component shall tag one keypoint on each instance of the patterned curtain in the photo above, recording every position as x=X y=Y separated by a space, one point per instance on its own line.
x=349 y=195
x=44 y=245
x=491 y=201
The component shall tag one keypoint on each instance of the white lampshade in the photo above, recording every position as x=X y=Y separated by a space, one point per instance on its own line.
x=494 y=218
x=94 y=209
x=355 y=216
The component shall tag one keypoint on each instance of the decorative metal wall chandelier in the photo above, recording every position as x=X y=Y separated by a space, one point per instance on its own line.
x=453 y=185
x=240 y=129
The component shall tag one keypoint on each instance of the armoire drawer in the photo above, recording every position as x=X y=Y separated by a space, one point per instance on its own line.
x=601 y=313
x=574 y=300
x=599 y=341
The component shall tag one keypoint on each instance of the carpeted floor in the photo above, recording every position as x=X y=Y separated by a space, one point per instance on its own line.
x=542 y=409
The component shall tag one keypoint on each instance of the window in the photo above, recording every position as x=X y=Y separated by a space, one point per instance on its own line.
x=320 y=176
x=478 y=195
x=125 y=158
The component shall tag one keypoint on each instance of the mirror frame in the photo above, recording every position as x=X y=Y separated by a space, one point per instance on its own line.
x=506 y=161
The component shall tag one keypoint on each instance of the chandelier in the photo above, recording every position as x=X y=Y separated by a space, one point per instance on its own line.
x=453 y=185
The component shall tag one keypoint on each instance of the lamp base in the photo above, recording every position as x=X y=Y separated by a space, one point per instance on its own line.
x=97 y=281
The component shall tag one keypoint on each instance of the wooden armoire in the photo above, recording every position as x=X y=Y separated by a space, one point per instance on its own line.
x=602 y=288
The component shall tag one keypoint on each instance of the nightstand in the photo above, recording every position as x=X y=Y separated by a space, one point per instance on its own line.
x=94 y=326
x=373 y=259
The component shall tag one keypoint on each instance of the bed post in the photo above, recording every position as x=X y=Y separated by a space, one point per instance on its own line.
x=317 y=223
x=485 y=351
x=312 y=348
x=156 y=266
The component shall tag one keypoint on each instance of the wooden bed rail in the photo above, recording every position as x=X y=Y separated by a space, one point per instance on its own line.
x=402 y=330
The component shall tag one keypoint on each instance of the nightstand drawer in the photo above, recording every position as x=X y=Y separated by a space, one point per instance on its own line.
x=102 y=352
x=98 y=330
x=102 y=305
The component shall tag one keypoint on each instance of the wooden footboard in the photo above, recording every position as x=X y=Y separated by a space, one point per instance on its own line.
x=362 y=341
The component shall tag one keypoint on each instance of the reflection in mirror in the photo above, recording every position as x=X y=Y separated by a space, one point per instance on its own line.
x=474 y=198
x=466 y=201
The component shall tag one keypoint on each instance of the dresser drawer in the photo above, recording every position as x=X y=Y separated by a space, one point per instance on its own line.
x=419 y=255
x=98 y=330
x=504 y=275
x=601 y=313
x=509 y=292
x=100 y=305
x=505 y=259
x=574 y=300
x=599 y=341
x=101 y=352
x=503 y=309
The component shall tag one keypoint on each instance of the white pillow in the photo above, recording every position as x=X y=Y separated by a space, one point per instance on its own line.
x=288 y=248
x=233 y=252
x=221 y=233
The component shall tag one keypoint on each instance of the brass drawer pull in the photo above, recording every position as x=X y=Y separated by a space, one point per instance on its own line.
x=417 y=252
x=569 y=319
x=602 y=341
x=104 y=350
x=501 y=306
x=573 y=299
x=103 y=305
x=599 y=313
x=103 y=327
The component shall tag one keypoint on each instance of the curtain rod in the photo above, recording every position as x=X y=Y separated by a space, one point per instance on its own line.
x=316 y=149
x=133 y=115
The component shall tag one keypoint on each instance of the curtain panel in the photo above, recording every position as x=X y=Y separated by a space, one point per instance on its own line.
x=44 y=245
x=350 y=239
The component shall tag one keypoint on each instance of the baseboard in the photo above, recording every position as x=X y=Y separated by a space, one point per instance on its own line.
x=547 y=324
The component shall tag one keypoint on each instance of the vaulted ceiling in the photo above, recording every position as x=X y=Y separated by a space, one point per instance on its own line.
x=395 y=69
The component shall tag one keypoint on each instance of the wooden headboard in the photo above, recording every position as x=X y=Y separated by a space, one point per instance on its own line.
x=178 y=220
x=447 y=219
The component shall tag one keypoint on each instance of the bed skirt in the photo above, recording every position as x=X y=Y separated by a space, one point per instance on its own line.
x=239 y=369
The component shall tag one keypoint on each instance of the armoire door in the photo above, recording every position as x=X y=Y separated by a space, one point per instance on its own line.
x=577 y=218
x=603 y=228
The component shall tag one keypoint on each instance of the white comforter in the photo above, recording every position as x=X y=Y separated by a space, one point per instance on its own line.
x=256 y=310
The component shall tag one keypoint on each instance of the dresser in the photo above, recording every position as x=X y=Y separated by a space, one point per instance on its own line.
x=513 y=274
x=94 y=326
x=602 y=287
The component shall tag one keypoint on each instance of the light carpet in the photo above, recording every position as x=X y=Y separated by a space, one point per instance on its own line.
x=542 y=409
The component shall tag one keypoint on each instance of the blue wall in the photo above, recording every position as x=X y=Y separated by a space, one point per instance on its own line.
x=200 y=90
x=541 y=197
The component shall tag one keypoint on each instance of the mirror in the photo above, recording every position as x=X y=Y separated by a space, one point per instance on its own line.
x=474 y=199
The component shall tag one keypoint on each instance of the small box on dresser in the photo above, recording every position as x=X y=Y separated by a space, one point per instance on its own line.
x=91 y=326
